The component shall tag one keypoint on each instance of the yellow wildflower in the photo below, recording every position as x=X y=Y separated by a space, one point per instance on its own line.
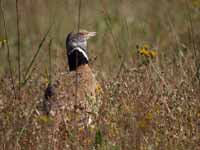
x=144 y=51
x=153 y=53
x=98 y=89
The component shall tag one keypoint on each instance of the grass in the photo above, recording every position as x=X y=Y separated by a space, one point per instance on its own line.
x=147 y=102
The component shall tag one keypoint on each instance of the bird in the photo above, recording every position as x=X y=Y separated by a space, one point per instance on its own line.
x=70 y=99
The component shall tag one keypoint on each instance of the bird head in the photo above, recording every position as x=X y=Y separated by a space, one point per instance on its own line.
x=76 y=44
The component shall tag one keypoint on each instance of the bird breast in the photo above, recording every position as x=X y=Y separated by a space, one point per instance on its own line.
x=76 y=89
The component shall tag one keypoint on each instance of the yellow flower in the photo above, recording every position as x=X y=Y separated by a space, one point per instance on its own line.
x=144 y=51
x=98 y=89
x=153 y=53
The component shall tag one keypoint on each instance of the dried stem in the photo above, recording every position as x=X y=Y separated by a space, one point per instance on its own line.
x=8 y=48
x=108 y=22
x=190 y=28
x=18 y=47
x=27 y=75
x=50 y=64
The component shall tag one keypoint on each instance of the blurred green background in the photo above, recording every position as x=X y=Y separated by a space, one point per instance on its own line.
x=166 y=25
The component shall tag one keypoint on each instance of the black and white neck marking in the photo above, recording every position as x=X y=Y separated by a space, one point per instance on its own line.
x=77 y=57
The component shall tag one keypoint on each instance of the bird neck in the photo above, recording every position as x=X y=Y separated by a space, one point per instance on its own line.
x=77 y=58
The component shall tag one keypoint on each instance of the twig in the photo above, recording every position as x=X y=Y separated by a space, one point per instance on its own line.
x=18 y=48
x=50 y=64
x=8 y=48
x=26 y=76
x=190 y=29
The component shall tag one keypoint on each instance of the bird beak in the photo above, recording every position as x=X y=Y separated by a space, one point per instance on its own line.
x=90 y=34
x=86 y=34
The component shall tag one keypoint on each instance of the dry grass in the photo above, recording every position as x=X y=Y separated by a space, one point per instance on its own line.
x=148 y=102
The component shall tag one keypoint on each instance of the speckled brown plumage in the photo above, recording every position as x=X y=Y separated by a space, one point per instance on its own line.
x=62 y=94
x=65 y=109
x=70 y=101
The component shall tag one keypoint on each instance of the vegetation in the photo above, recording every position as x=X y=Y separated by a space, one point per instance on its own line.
x=146 y=57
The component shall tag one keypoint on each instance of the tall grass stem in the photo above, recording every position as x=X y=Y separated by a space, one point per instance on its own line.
x=109 y=24
x=18 y=47
x=27 y=75
x=8 y=51
x=50 y=63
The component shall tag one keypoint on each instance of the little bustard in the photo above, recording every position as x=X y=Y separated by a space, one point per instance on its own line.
x=70 y=99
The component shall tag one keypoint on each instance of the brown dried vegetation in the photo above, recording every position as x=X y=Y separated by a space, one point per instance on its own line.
x=147 y=102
